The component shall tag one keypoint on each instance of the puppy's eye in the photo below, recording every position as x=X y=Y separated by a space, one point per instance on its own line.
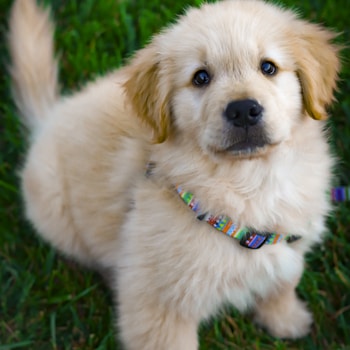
x=268 y=68
x=201 y=78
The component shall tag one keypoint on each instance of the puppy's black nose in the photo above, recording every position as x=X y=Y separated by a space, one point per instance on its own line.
x=244 y=113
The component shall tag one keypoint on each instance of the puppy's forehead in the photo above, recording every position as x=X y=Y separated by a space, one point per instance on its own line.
x=233 y=30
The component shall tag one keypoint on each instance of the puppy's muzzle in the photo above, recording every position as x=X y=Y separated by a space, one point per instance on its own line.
x=244 y=113
x=245 y=131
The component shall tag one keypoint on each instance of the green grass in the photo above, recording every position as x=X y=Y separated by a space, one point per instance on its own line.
x=47 y=302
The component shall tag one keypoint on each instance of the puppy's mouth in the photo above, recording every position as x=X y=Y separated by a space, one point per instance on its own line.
x=247 y=146
x=245 y=143
x=243 y=130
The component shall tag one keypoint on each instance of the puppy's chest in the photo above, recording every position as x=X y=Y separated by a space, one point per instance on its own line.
x=225 y=269
x=203 y=265
x=264 y=209
x=232 y=272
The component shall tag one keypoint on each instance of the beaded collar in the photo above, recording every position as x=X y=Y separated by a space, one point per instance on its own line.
x=247 y=237
x=340 y=194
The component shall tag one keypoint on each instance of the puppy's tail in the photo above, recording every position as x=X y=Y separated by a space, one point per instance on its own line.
x=33 y=69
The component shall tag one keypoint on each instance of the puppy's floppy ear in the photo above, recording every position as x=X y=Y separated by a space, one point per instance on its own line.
x=318 y=67
x=147 y=94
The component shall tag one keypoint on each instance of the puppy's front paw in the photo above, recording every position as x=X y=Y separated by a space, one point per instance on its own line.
x=285 y=319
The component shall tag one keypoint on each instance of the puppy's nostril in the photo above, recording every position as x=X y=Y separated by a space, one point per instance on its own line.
x=244 y=113
x=255 y=111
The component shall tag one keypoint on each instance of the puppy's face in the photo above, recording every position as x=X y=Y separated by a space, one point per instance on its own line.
x=236 y=78
x=236 y=91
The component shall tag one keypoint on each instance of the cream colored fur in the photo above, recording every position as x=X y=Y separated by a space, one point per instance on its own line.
x=84 y=180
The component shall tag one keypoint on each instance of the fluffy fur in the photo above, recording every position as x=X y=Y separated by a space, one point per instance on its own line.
x=84 y=180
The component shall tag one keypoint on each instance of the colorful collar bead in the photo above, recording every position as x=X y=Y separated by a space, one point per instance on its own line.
x=248 y=238
x=340 y=194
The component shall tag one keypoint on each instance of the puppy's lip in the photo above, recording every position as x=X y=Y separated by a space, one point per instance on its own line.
x=247 y=146
x=242 y=150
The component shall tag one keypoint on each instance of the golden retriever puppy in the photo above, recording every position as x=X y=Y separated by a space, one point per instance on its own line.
x=173 y=170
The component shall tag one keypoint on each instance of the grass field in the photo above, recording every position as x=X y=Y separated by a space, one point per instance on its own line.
x=47 y=302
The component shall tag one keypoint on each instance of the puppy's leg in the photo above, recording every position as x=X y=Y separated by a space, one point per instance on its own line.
x=148 y=325
x=283 y=314
x=47 y=201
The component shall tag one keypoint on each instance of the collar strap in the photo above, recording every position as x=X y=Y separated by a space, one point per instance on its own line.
x=340 y=194
x=247 y=237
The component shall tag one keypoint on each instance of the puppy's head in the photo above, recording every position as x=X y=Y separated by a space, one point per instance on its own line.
x=234 y=77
